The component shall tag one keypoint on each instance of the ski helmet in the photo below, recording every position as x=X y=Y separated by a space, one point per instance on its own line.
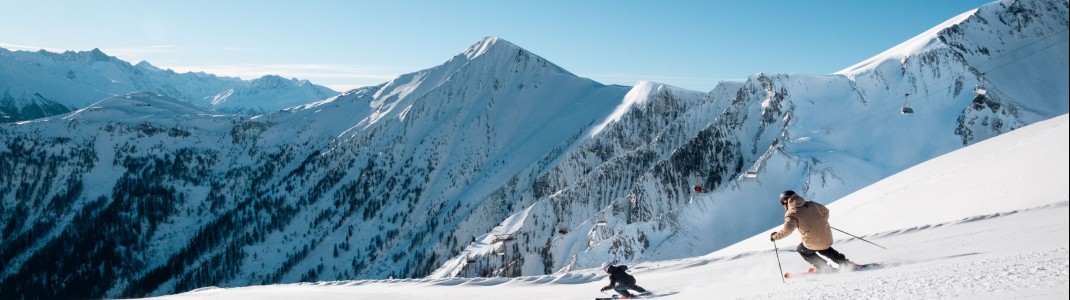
x=785 y=195
x=605 y=266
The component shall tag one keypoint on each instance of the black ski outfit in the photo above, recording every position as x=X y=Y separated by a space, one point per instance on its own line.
x=621 y=281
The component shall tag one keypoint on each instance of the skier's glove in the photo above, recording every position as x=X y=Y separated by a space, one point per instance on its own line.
x=772 y=235
x=604 y=288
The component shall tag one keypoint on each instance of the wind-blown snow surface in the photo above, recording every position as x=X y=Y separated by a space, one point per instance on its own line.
x=989 y=221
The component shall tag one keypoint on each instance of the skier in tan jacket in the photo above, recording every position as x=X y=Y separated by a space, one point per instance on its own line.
x=812 y=220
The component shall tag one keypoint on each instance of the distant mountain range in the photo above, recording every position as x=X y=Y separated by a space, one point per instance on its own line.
x=495 y=163
x=41 y=84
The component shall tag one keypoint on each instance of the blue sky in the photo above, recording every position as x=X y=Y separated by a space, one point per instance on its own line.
x=348 y=44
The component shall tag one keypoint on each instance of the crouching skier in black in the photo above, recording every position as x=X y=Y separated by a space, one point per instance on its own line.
x=621 y=281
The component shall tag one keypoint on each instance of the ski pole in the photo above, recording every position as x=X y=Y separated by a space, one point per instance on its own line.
x=864 y=240
x=778 y=263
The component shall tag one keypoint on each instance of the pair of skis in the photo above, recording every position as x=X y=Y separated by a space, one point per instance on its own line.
x=813 y=271
x=638 y=296
x=618 y=297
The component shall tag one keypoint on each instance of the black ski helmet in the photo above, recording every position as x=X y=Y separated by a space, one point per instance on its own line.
x=786 y=194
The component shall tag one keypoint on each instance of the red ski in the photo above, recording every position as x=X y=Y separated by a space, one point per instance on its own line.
x=800 y=274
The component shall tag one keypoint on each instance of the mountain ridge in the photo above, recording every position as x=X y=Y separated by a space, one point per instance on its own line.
x=41 y=83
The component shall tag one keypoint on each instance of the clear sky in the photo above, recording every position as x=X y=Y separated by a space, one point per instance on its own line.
x=349 y=44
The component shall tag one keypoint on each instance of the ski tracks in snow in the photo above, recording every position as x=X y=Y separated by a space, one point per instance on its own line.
x=990 y=257
x=1043 y=273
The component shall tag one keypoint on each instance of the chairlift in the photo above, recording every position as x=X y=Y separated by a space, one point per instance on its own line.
x=750 y=175
x=906 y=110
x=600 y=222
x=980 y=89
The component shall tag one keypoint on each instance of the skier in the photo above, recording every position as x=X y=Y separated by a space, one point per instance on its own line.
x=621 y=281
x=812 y=220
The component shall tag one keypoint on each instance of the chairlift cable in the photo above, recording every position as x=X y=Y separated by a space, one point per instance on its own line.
x=925 y=94
x=997 y=58
x=1023 y=48
x=906 y=109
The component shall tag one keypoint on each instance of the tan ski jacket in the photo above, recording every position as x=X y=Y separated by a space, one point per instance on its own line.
x=812 y=220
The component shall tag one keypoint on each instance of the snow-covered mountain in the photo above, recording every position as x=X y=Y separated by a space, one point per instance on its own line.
x=626 y=195
x=40 y=84
x=495 y=163
x=952 y=227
